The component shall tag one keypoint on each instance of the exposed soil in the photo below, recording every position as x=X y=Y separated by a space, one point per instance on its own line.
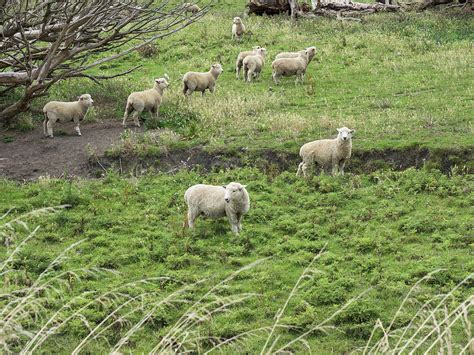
x=26 y=156
x=29 y=155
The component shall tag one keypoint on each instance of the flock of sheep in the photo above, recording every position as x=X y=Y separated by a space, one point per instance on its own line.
x=233 y=199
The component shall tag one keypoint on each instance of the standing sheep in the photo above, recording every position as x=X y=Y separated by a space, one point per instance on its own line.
x=194 y=81
x=238 y=28
x=328 y=153
x=148 y=100
x=311 y=54
x=253 y=64
x=290 y=66
x=240 y=59
x=217 y=201
x=190 y=7
x=56 y=111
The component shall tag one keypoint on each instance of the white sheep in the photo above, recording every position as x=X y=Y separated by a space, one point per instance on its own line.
x=147 y=100
x=238 y=28
x=56 y=111
x=311 y=54
x=290 y=66
x=240 y=59
x=194 y=81
x=253 y=64
x=217 y=201
x=190 y=7
x=328 y=153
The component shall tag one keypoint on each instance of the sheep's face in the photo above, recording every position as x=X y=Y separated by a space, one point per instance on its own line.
x=86 y=99
x=237 y=20
x=217 y=68
x=162 y=83
x=233 y=191
x=311 y=51
x=344 y=134
x=262 y=51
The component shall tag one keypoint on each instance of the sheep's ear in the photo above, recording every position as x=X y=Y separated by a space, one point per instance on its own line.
x=166 y=77
x=224 y=186
x=352 y=131
x=339 y=130
x=244 y=186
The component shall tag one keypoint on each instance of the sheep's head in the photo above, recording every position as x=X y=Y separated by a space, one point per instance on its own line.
x=344 y=134
x=237 y=20
x=217 y=68
x=234 y=191
x=161 y=83
x=311 y=52
x=261 y=52
x=86 y=100
x=255 y=48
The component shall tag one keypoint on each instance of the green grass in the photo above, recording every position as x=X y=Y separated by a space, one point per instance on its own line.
x=398 y=80
x=385 y=230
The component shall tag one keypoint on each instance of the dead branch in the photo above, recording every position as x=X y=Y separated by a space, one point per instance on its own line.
x=44 y=41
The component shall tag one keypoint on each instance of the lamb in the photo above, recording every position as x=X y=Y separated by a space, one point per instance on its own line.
x=56 y=111
x=148 y=100
x=193 y=81
x=290 y=66
x=253 y=64
x=238 y=28
x=217 y=201
x=190 y=7
x=311 y=54
x=240 y=59
x=328 y=153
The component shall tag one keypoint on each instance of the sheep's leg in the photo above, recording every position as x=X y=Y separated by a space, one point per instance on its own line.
x=212 y=88
x=128 y=109
x=239 y=223
x=300 y=169
x=234 y=222
x=304 y=168
x=342 y=162
x=191 y=218
x=275 y=77
x=334 y=168
x=76 y=128
x=44 y=126
x=49 y=126
x=237 y=70
x=136 y=119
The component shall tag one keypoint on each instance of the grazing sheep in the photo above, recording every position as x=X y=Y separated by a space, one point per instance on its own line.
x=328 y=153
x=217 y=201
x=240 y=59
x=56 y=111
x=311 y=54
x=290 y=66
x=253 y=64
x=193 y=81
x=148 y=100
x=238 y=28
x=190 y=7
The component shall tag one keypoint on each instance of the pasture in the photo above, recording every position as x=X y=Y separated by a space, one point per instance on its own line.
x=319 y=261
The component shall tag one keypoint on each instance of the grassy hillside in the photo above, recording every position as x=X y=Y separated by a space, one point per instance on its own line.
x=398 y=80
x=114 y=270
x=383 y=231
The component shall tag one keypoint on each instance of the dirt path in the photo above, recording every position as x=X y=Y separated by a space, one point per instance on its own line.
x=30 y=155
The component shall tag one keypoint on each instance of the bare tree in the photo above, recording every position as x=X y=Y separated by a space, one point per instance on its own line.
x=45 y=41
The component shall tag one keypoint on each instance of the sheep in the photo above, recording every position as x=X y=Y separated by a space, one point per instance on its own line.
x=311 y=54
x=217 y=201
x=193 y=81
x=148 y=100
x=190 y=7
x=56 y=111
x=238 y=28
x=290 y=66
x=328 y=153
x=253 y=64
x=240 y=59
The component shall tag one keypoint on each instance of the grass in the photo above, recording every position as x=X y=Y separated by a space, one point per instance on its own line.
x=381 y=233
x=370 y=263
x=398 y=80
